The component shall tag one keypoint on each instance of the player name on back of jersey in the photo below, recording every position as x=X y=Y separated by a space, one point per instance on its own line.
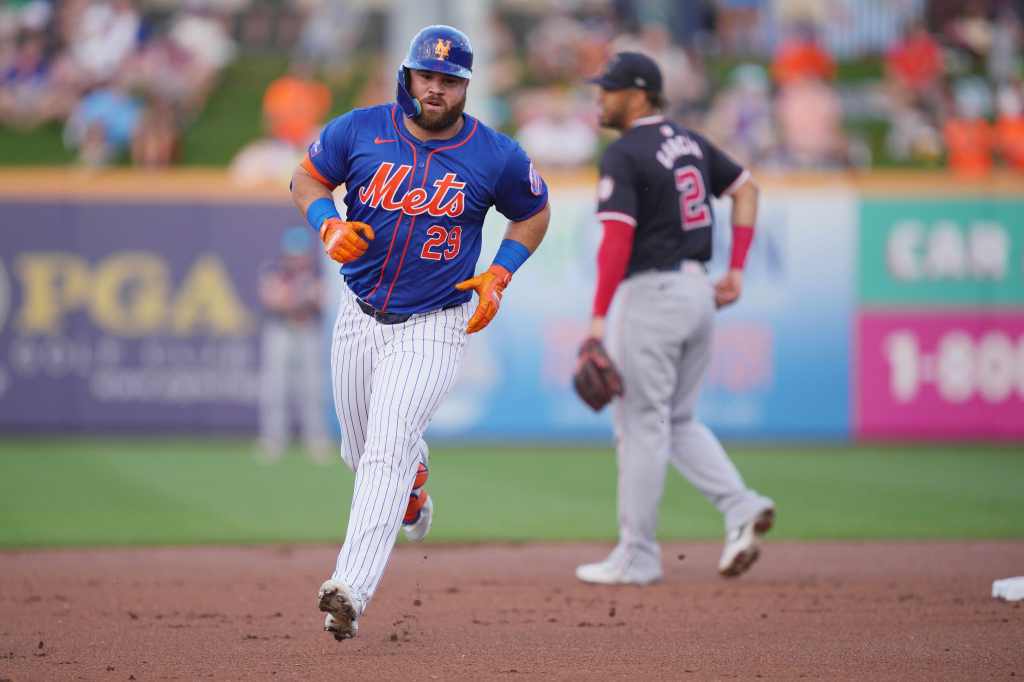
x=675 y=147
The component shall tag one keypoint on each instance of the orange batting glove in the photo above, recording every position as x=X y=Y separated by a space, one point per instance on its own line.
x=489 y=285
x=343 y=241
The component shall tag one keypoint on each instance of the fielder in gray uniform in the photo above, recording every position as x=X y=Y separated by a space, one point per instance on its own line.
x=654 y=204
x=291 y=293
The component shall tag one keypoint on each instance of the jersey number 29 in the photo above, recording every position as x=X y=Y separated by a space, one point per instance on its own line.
x=692 y=205
x=438 y=237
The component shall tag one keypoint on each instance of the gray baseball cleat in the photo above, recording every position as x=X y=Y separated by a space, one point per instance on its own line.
x=336 y=600
x=741 y=544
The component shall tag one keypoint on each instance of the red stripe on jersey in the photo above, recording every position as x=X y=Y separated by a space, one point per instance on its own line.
x=612 y=261
x=394 y=230
x=426 y=174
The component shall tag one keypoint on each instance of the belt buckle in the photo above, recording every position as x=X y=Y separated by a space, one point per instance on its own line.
x=693 y=267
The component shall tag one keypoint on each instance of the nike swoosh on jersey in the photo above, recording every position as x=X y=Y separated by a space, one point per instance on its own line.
x=381 y=140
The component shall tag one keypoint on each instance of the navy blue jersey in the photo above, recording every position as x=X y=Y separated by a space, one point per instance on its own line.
x=659 y=177
x=426 y=202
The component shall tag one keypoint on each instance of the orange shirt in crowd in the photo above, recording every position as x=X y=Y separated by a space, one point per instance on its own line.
x=969 y=145
x=1010 y=140
x=802 y=59
x=294 y=107
x=916 y=62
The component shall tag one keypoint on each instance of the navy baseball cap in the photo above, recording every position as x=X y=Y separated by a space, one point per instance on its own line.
x=630 y=70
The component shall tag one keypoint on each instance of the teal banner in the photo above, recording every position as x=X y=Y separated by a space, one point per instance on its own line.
x=938 y=252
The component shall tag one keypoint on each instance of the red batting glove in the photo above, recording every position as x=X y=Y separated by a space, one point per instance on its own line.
x=343 y=241
x=489 y=286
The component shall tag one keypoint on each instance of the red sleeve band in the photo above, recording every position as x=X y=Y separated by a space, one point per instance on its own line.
x=612 y=261
x=742 y=236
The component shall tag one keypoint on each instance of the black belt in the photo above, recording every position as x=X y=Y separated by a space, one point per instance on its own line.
x=390 y=318
x=681 y=265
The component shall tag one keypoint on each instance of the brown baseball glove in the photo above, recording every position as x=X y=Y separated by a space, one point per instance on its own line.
x=596 y=380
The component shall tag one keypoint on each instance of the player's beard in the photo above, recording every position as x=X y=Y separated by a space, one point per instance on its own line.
x=614 y=119
x=441 y=120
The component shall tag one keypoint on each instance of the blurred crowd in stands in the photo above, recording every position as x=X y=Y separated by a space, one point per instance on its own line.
x=790 y=84
x=766 y=78
x=121 y=81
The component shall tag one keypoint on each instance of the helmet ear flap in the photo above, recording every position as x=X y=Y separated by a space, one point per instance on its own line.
x=410 y=105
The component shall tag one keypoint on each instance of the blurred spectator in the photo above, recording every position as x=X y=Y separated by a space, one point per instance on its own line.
x=206 y=47
x=802 y=56
x=914 y=64
x=291 y=294
x=204 y=34
x=552 y=48
x=685 y=86
x=813 y=14
x=967 y=133
x=265 y=161
x=741 y=116
x=102 y=126
x=552 y=133
x=912 y=136
x=25 y=85
x=155 y=143
x=118 y=79
x=103 y=35
x=966 y=25
x=295 y=105
x=1010 y=126
x=170 y=72
x=737 y=24
x=1004 y=57
x=332 y=30
x=380 y=82
x=810 y=117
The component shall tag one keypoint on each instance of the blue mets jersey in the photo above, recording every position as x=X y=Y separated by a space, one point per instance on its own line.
x=425 y=200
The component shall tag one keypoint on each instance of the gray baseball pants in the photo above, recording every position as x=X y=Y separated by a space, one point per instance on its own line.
x=659 y=335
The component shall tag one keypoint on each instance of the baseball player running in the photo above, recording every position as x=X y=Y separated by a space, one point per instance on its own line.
x=419 y=176
x=654 y=206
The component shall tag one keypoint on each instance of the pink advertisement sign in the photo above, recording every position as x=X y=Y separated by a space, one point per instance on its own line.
x=930 y=375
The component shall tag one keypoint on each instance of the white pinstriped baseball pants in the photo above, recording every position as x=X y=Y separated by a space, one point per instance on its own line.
x=388 y=382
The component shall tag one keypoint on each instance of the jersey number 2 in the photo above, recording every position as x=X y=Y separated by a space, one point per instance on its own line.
x=692 y=205
x=438 y=237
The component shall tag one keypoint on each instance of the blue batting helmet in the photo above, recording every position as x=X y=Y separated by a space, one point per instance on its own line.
x=435 y=48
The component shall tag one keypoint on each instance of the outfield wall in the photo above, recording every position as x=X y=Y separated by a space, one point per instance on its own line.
x=889 y=306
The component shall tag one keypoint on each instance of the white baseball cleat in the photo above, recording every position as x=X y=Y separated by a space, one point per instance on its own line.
x=418 y=529
x=613 y=572
x=336 y=600
x=741 y=544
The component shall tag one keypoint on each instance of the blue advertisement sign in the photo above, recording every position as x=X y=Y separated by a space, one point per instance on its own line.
x=132 y=315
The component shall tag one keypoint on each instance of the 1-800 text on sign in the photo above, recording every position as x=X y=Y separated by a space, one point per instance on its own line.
x=925 y=375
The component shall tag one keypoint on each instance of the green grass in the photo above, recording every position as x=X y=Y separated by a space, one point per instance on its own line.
x=43 y=146
x=62 y=492
x=233 y=115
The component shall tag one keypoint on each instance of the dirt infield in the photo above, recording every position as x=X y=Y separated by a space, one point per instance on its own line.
x=824 y=610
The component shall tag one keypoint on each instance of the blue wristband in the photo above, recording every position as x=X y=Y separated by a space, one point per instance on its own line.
x=511 y=254
x=319 y=211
